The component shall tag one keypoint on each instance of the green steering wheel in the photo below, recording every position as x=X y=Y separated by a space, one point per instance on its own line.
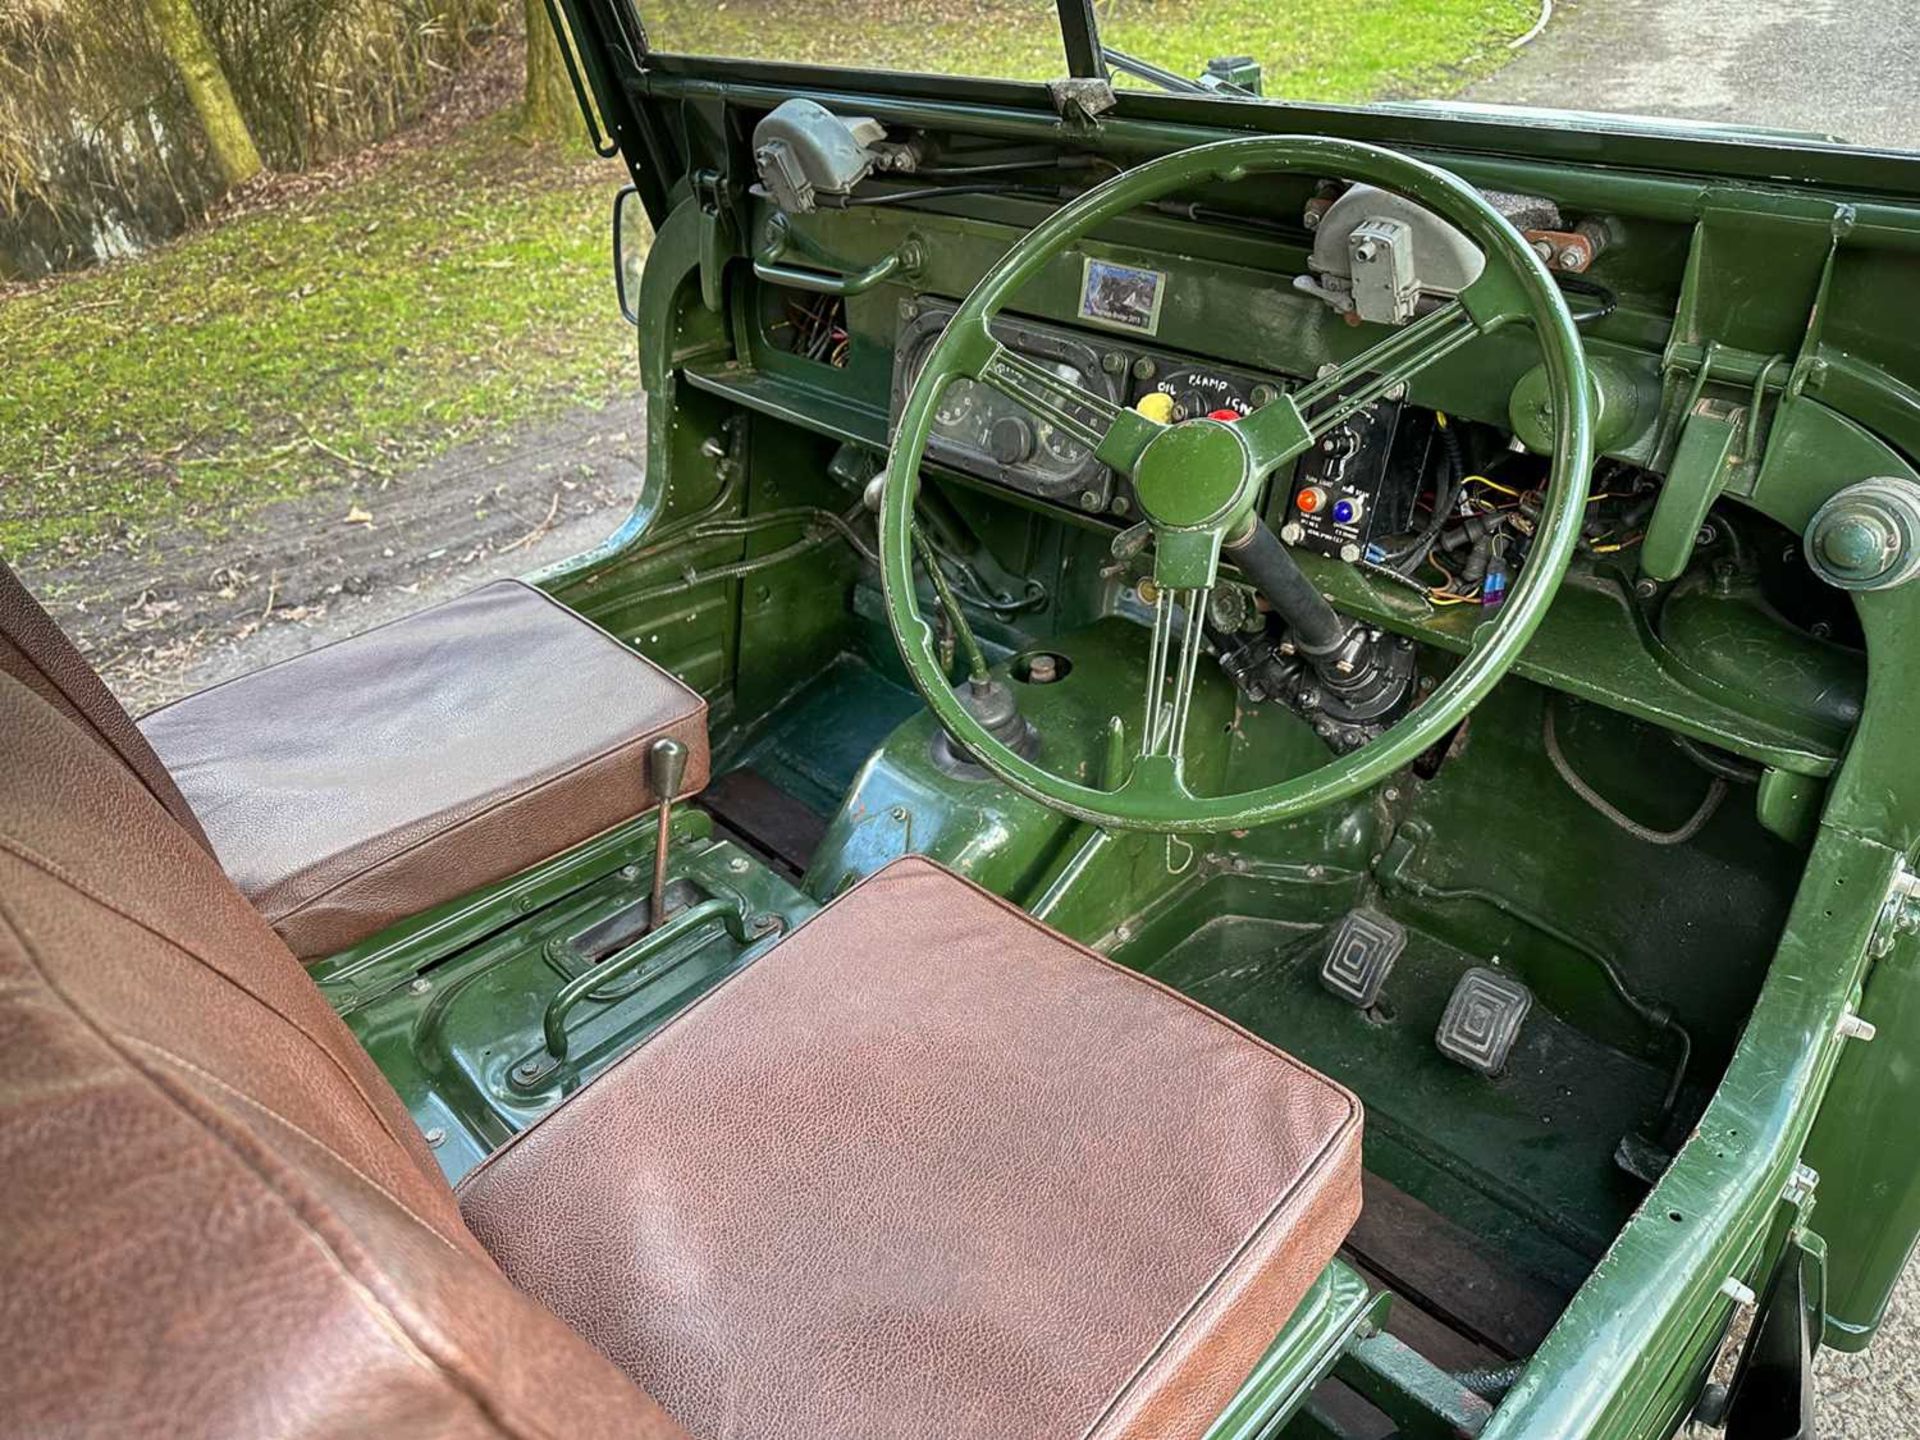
x=1198 y=480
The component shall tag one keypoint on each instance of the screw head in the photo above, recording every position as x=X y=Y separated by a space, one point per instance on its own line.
x=420 y=986
x=739 y=864
x=899 y=812
x=436 y=1137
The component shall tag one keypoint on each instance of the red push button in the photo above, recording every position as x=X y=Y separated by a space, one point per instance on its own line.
x=1311 y=500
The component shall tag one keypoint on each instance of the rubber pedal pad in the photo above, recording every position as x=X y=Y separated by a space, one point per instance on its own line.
x=1483 y=1019
x=1361 y=954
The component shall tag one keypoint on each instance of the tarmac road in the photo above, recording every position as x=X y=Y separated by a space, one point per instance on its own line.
x=1845 y=68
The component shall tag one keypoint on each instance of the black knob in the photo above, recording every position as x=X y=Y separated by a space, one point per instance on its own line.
x=1010 y=440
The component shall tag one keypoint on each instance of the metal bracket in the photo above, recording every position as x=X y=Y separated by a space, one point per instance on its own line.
x=716 y=235
x=1900 y=914
x=1081 y=100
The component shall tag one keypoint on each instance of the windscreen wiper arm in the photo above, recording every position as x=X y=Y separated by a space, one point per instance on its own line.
x=1167 y=79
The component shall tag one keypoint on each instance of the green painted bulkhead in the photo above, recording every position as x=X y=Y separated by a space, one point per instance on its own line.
x=1683 y=1078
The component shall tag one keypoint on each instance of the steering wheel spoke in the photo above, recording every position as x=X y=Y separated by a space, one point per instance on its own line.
x=1115 y=434
x=1293 y=424
x=1173 y=659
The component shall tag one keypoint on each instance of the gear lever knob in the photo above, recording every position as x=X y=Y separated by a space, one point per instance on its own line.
x=666 y=768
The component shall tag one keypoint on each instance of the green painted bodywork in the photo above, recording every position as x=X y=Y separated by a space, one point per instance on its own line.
x=1758 y=360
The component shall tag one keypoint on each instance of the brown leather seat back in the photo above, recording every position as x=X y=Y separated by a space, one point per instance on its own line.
x=215 y=1215
x=37 y=653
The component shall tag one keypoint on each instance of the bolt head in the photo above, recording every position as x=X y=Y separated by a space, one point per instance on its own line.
x=436 y=1137
x=739 y=864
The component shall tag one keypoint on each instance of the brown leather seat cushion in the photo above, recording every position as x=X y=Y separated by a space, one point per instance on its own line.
x=369 y=780
x=929 y=1169
x=216 y=1217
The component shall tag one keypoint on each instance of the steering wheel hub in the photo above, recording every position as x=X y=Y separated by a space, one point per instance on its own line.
x=1197 y=473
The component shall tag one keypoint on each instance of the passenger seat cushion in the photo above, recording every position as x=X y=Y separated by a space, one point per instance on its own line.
x=929 y=1169
x=369 y=780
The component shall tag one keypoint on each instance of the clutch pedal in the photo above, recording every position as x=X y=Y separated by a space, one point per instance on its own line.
x=1361 y=956
x=1483 y=1020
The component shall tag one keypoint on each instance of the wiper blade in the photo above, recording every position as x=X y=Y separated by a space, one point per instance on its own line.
x=1167 y=79
x=1151 y=73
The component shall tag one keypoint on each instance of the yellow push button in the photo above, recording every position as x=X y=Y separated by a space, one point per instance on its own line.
x=1156 y=406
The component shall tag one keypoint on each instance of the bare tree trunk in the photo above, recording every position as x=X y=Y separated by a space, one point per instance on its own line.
x=185 y=39
x=548 y=97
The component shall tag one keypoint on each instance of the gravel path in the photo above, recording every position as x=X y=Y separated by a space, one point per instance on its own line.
x=1846 y=68
x=185 y=610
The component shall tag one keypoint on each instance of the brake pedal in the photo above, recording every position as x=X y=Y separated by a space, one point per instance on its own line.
x=1483 y=1020
x=1361 y=956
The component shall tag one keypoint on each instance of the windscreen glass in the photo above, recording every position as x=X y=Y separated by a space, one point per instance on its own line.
x=1814 y=68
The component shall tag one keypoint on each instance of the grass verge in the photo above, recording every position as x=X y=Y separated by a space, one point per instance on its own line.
x=462 y=288
x=1333 y=50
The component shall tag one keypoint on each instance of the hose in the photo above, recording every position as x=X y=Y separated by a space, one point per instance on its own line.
x=1709 y=803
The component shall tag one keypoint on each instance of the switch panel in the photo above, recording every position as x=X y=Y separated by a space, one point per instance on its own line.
x=1359 y=484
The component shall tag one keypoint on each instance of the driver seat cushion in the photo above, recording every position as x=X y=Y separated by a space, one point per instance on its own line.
x=928 y=1168
x=369 y=780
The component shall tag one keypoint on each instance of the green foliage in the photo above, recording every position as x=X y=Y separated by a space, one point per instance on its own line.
x=1338 y=50
x=458 y=292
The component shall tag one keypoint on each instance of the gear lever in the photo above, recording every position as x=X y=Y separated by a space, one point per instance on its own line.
x=666 y=767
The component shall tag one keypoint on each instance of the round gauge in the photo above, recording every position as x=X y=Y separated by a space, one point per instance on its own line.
x=955 y=405
x=1064 y=450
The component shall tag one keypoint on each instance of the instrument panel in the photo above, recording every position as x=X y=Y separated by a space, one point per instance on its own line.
x=1356 y=487
x=983 y=433
x=978 y=430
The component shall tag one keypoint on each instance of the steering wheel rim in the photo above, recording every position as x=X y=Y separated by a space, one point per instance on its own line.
x=1513 y=285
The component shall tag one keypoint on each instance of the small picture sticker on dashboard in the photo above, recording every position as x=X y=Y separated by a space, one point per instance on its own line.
x=1123 y=296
